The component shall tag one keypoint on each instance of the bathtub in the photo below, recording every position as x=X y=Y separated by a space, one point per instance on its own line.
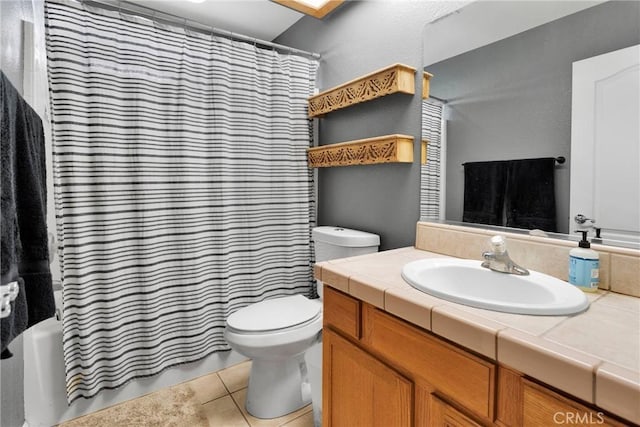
x=44 y=377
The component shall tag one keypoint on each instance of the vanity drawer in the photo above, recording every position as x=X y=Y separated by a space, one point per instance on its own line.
x=342 y=312
x=453 y=372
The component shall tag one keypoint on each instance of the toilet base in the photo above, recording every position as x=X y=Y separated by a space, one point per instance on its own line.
x=313 y=357
x=277 y=387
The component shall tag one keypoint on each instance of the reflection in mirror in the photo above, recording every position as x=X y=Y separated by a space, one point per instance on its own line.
x=511 y=99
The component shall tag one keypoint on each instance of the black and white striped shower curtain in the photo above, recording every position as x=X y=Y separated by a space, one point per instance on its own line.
x=431 y=172
x=181 y=187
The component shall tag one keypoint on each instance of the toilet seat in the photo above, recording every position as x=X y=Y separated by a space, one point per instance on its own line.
x=299 y=317
x=275 y=315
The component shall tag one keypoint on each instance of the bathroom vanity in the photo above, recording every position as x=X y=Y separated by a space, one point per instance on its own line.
x=381 y=370
x=395 y=356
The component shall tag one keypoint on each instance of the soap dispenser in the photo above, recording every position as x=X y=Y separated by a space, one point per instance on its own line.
x=584 y=265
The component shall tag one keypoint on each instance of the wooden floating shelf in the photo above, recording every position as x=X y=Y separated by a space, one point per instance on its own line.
x=382 y=149
x=393 y=79
x=426 y=84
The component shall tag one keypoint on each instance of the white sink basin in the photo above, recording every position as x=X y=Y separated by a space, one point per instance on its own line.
x=466 y=282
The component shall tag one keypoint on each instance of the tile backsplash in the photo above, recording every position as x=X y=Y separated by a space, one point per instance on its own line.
x=619 y=267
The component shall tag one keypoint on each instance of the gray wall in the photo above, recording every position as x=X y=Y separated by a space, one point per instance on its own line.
x=512 y=99
x=356 y=39
x=11 y=63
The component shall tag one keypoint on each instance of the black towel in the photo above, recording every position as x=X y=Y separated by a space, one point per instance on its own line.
x=484 y=184
x=530 y=200
x=25 y=254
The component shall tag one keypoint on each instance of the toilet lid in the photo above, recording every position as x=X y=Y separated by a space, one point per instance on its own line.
x=277 y=313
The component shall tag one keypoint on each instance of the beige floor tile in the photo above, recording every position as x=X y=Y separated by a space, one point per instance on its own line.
x=240 y=396
x=207 y=388
x=305 y=420
x=236 y=377
x=209 y=394
x=223 y=412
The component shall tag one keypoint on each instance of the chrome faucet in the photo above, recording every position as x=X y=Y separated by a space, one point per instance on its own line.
x=498 y=259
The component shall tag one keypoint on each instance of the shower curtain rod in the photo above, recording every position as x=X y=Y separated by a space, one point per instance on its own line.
x=171 y=19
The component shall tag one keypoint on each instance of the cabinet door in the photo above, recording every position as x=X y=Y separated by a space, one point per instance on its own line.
x=462 y=377
x=359 y=390
x=544 y=407
x=444 y=415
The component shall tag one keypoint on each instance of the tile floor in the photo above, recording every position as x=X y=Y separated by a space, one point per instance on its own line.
x=222 y=395
x=223 y=400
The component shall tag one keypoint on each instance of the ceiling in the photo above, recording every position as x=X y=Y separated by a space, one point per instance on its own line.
x=261 y=19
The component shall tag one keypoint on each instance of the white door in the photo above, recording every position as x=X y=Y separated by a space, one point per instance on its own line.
x=605 y=143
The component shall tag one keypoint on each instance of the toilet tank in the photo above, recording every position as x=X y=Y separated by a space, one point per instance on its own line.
x=337 y=242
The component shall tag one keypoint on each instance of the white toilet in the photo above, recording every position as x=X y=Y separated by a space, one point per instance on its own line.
x=276 y=333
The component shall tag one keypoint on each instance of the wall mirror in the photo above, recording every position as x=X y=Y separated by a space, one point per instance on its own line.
x=502 y=92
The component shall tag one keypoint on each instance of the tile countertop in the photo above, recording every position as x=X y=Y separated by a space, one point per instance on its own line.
x=594 y=355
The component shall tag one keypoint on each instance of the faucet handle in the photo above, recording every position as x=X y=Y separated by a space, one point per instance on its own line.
x=498 y=244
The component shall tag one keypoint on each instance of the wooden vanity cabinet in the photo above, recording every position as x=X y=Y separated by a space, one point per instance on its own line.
x=379 y=370
x=523 y=402
x=443 y=414
x=362 y=391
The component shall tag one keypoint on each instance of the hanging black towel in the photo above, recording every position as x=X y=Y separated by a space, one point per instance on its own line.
x=530 y=200
x=25 y=254
x=484 y=184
